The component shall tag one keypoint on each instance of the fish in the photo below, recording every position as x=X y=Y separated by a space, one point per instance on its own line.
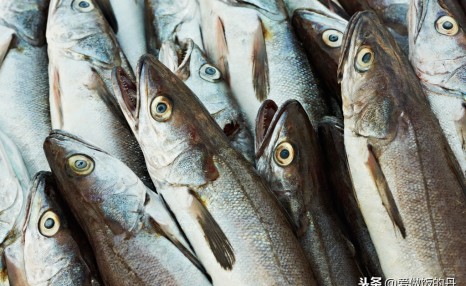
x=291 y=161
x=49 y=251
x=321 y=33
x=124 y=221
x=237 y=228
x=255 y=48
x=439 y=60
x=168 y=20
x=409 y=186
x=190 y=64
x=82 y=51
x=14 y=191
x=24 y=112
x=331 y=5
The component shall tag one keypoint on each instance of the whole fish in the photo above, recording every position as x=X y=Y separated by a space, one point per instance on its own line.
x=83 y=51
x=253 y=45
x=235 y=225
x=49 y=251
x=409 y=186
x=125 y=222
x=321 y=33
x=24 y=112
x=168 y=20
x=14 y=191
x=438 y=54
x=290 y=159
x=189 y=63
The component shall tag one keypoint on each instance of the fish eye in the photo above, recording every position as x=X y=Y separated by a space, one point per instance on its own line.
x=332 y=38
x=210 y=73
x=284 y=154
x=81 y=165
x=83 y=5
x=446 y=25
x=161 y=108
x=364 y=59
x=49 y=224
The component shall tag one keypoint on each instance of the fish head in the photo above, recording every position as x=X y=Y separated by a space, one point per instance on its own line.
x=100 y=190
x=50 y=250
x=27 y=18
x=437 y=43
x=371 y=72
x=287 y=154
x=79 y=29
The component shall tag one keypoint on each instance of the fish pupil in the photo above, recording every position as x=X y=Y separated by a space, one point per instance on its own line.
x=83 y=4
x=284 y=154
x=80 y=164
x=333 y=38
x=161 y=107
x=447 y=25
x=210 y=71
x=366 y=58
x=49 y=223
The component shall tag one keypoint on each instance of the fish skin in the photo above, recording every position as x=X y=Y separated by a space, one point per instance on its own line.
x=214 y=94
x=24 y=114
x=55 y=260
x=14 y=191
x=392 y=138
x=83 y=51
x=234 y=224
x=259 y=55
x=443 y=76
x=301 y=188
x=124 y=221
x=309 y=25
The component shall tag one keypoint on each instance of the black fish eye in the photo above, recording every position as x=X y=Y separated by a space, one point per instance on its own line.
x=284 y=154
x=366 y=58
x=210 y=71
x=447 y=25
x=333 y=38
x=84 y=4
x=49 y=223
x=80 y=164
x=161 y=107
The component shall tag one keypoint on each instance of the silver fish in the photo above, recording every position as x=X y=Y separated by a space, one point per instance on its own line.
x=409 y=186
x=128 y=226
x=49 y=249
x=83 y=51
x=24 y=112
x=438 y=54
x=235 y=225
x=190 y=64
x=291 y=161
x=253 y=45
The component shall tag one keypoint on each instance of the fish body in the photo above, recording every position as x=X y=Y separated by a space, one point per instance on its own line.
x=404 y=173
x=291 y=161
x=190 y=64
x=259 y=55
x=24 y=112
x=83 y=51
x=235 y=225
x=49 y=247
x=125 y=222
x=442 y=76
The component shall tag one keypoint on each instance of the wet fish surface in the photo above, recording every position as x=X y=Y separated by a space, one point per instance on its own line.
x=125 y=222
x=235 y=225
x=403 y=170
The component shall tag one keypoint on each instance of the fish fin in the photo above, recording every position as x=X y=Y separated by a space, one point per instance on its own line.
x=461 y=127
x=222 y=49
x=260 y=69
x=384 y=191
x=218 y=242
x=107 y=10
x=6 y=38
x=56 y=111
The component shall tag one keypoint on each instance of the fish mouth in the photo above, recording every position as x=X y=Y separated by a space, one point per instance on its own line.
x=315 y=15
x=127 y=90
x=38 y=184
x=58 y=136
x=176 y=56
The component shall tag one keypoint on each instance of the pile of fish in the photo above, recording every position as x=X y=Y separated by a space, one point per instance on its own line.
x=232 y=142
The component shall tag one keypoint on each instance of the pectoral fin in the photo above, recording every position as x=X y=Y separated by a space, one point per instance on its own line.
x=461 y=128
x=216 y=238
x=56 y=111
x=260 y=68
x=384 y=191
x=6 y=37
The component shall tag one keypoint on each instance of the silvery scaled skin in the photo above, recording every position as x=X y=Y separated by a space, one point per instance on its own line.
x=253 y=45
x=48 y=247
x=439 y=60
x=231 y=219
x=83 y=51
x=409 y=186
x=14 y=191
x=190 y=64
x=125 y=222
x=24 y=112
x=290 y=159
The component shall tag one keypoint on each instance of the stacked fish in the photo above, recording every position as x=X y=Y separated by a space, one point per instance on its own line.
x=232 y=142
